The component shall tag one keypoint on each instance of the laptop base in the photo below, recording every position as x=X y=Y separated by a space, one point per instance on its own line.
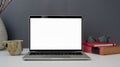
x=55 y=57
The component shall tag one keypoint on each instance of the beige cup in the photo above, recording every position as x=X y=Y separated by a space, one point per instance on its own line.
x=14 y=47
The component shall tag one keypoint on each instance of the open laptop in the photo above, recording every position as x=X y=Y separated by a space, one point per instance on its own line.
x=55 y=38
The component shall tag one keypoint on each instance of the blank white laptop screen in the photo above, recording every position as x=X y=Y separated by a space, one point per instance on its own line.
x=55 y=33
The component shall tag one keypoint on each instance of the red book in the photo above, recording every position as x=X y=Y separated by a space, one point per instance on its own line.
x=87 y=49
x=87 y=46
x=98 y=44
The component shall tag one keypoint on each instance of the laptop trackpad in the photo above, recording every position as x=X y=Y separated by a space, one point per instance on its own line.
x=55 y=56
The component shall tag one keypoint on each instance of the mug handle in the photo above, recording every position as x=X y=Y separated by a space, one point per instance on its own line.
x=4 y=44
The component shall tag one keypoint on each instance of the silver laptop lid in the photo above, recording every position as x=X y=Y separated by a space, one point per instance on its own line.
x=55 y=33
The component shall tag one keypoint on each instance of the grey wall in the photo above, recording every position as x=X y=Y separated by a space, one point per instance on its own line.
x=101 y=17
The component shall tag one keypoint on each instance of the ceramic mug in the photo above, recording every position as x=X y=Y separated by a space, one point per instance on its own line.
x=14 y=47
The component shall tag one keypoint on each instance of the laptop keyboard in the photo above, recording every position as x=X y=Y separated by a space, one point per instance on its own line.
x=55 y=53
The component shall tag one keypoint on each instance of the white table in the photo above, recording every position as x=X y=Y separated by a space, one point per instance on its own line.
x=97 y=61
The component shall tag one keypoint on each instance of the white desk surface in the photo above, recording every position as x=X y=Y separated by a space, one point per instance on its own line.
x=96 y=61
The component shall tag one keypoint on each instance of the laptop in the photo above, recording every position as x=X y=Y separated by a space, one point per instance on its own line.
x=54 y=38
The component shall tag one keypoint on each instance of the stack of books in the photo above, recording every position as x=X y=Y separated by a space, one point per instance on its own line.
x=101 y=48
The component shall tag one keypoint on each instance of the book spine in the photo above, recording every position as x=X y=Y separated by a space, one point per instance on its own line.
x=87 y=49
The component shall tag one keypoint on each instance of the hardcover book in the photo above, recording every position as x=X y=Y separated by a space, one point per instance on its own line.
x=106 y=50
x=87 y=46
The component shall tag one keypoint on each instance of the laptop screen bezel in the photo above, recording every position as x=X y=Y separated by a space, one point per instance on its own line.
x=52 y=17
